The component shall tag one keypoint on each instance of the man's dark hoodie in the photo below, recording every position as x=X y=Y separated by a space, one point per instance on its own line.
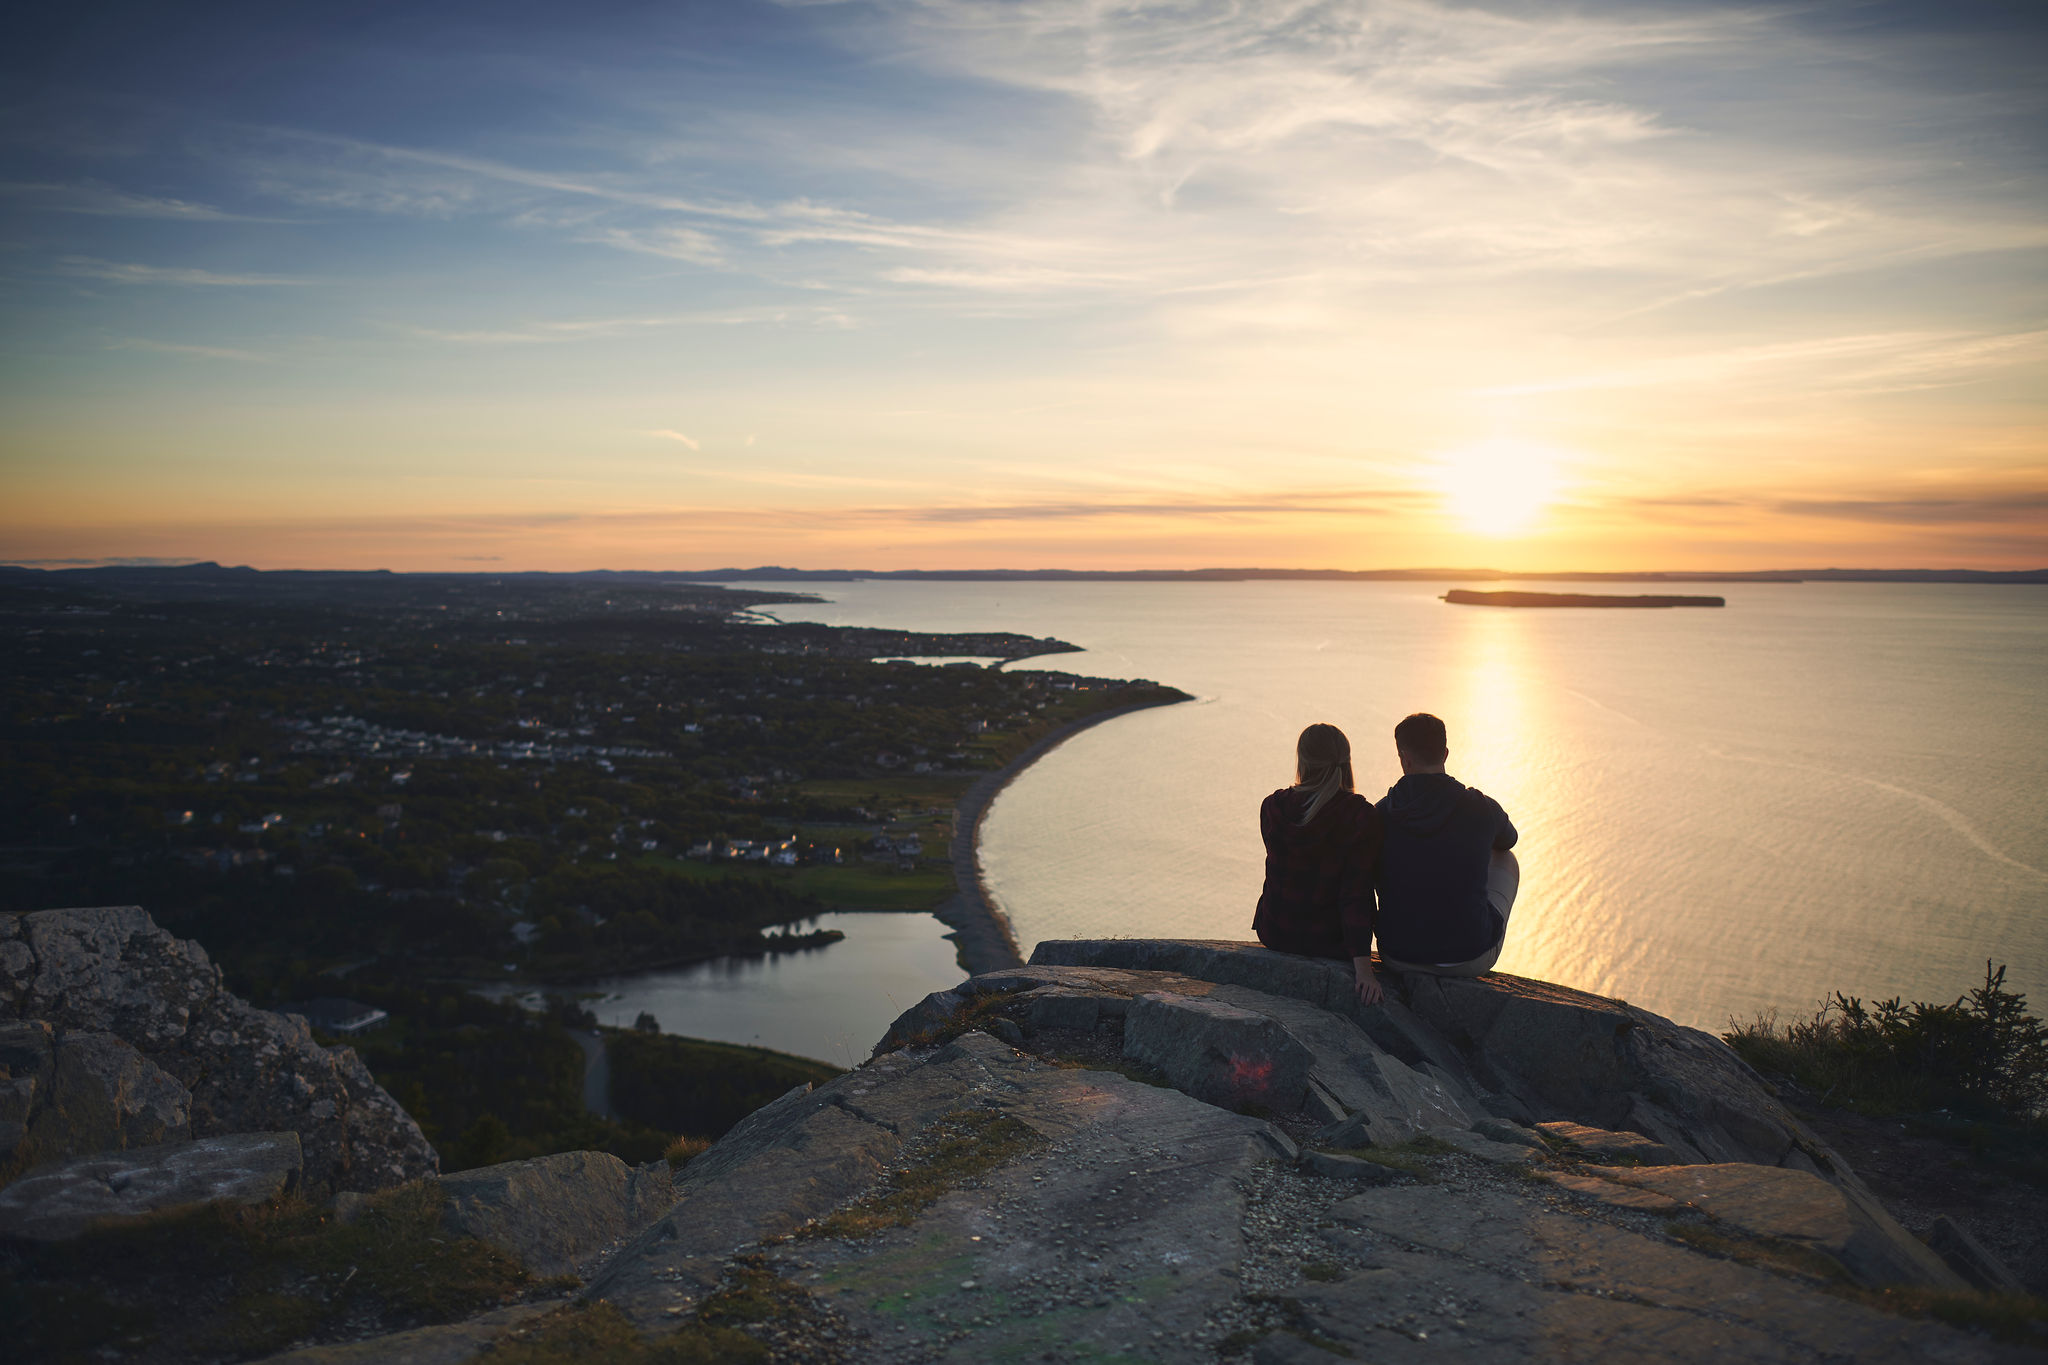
x=1440 y=837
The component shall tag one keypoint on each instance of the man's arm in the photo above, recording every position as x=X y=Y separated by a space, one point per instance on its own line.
x=1504 y=838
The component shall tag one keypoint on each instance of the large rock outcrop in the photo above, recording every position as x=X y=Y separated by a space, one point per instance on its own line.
x=144 y=1046
x=1502 y=1045
x=1101 y=1159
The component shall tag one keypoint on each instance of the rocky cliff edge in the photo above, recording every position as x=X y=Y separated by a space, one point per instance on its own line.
x=1175 y=1151
x=117 y=1035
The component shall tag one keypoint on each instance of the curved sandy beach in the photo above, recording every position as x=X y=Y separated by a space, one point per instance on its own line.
x=981 y=935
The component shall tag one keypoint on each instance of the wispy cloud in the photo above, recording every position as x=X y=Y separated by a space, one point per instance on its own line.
x=678 y=437
x=120 y=272
x=1886 y=361
x=601 y=329
x=109 y=562
x=1346 y=502
x=104 y=201
x=1953 y=503
x=187 y=348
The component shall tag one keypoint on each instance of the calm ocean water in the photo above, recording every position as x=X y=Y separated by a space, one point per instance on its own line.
x=1819 y=787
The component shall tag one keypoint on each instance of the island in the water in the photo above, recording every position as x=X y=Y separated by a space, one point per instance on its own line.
x=1463 y=597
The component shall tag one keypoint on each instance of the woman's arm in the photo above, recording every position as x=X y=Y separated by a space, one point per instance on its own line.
x=1356 y=905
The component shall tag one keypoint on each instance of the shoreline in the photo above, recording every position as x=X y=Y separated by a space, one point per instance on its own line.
x=982 y=937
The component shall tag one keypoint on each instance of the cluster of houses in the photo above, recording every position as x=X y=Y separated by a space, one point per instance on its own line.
x=789 y=852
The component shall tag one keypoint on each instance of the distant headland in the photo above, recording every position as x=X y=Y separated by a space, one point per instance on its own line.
x=1461 y=597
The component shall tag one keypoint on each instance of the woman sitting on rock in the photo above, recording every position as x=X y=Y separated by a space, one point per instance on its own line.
x=1322 y=839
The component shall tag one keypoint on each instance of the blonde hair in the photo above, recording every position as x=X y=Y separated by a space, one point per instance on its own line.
x=1322 y=764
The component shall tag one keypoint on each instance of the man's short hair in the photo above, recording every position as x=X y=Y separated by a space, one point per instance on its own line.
x=1423 y=736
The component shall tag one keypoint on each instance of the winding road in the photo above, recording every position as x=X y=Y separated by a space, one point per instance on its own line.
x=597 y=1073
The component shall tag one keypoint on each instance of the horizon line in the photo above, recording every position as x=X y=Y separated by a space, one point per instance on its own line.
x=779 y=573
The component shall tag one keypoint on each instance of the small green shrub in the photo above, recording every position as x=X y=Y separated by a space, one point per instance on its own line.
x=1984 y=1053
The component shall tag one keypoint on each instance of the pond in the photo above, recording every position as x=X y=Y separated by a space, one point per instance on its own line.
x=833 y=1003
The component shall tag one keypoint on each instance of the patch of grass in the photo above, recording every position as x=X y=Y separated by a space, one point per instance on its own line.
x=869 y=887
x=598 y=1334
x=1129 y=1070
x=957 y=1148
x=752 y=1293
x=684 y=1150
x=977 y=1013
x=225 y=1280
x=1983 y=1054
x=2020 y=1319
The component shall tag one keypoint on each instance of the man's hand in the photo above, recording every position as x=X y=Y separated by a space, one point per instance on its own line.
x=1368 y=985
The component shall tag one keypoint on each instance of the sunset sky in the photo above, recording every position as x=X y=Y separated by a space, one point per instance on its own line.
x=959 y=284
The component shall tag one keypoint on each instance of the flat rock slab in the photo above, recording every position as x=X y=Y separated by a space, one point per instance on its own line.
x=1122 y=1225
x=554 y=1213
x=1615 y=1195
x=1792 y=1206
x=1604 y=1144
x=1486 y=1149
x=1434 y=1273
x=53 y=1203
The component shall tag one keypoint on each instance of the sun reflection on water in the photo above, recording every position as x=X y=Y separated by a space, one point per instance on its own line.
x=1506 y=705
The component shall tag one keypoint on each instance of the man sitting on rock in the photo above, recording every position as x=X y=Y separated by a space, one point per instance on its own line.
x=1446 y=879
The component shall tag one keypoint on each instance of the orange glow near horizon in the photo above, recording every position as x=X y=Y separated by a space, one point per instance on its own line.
x=1357 y=285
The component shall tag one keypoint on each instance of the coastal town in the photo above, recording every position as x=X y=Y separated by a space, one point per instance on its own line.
x=392 y=791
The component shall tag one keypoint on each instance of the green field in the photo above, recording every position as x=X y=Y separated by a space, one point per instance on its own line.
x=850 y=886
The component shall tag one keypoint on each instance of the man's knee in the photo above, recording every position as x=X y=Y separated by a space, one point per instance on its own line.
x=1503 y=879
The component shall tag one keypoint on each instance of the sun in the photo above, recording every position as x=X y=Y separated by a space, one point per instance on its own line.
x=1498 y=487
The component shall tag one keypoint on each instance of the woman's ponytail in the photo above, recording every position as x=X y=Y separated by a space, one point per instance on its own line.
x=1322 y=764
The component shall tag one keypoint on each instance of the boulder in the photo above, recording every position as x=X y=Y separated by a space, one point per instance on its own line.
x=1507 y=1130
x=1217 y=1052
x=62 y=1200
x=104 y=1096
x=555 y=1213
x=1238 y=1046
x=1845 y=1225
x=933 y=1012
x=27 y=1057
x=1063 y=1007
x=112 y=971
x=1507 y=1046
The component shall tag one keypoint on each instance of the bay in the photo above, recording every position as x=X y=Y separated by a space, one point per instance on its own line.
x=1817 y=787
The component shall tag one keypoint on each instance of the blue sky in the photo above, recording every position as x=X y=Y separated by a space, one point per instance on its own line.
x=950 y=283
